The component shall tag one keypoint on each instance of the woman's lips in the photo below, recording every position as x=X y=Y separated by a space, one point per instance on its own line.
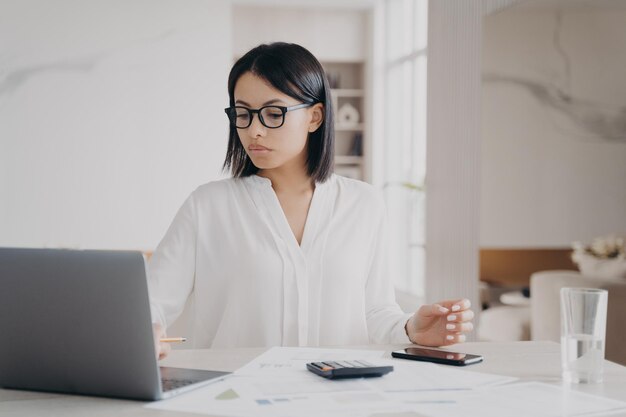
x=258 y=149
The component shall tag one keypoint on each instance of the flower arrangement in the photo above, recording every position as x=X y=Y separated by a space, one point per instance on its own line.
x=604 y=257
x=607 y=247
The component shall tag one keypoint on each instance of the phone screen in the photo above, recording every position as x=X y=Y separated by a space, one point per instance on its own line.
x=439 y=356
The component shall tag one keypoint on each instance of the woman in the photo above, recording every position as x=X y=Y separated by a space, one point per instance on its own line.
x=286 y=252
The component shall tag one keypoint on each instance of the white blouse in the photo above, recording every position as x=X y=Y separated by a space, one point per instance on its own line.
x=231 y=249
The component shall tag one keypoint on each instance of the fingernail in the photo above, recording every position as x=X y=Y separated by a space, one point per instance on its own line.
x=456 y=307
x=450 y=337
x=452 y=317
x=443 y=309
x=450 y=327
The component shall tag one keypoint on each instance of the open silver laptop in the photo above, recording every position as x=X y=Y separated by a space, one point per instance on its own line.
x=79 y=322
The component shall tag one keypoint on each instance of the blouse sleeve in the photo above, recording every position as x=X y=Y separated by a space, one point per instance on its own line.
x=385 y=320
x=171 y=270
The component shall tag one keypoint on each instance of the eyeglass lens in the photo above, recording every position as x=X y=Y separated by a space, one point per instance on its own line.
x=270 y=116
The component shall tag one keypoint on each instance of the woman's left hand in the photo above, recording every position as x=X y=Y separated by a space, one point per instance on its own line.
x=441 y=324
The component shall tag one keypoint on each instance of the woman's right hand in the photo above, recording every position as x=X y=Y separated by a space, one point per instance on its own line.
x=161 y=349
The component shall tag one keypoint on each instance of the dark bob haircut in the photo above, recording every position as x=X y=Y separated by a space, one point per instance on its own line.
x=294 y=71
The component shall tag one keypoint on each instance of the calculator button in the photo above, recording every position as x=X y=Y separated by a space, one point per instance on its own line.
x=321 y=366
x=344 y=364
x=347 y=369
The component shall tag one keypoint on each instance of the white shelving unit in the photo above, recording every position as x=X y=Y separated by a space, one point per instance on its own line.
x=348 y=95
x=349 y=92
x=348 y=159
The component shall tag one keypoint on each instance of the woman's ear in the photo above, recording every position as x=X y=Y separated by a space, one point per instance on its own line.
x=317 y=117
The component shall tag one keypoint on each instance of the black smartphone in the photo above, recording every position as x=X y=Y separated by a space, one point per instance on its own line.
x=437 y=356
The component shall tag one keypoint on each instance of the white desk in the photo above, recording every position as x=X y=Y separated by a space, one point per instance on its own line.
x=531 y=361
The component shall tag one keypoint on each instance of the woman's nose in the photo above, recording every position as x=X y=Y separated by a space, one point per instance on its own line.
x=256 y=128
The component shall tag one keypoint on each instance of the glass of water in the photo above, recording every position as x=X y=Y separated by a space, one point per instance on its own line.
x=583 y=332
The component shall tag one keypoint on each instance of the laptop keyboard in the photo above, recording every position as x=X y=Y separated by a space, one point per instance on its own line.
x=170 y=384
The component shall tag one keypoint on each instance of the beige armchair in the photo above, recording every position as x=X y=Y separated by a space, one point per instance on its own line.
x=545 y=308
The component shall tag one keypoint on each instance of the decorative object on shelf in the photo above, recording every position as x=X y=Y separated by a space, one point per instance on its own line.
x=347 y=114
x=604 y=258
x=357 y=145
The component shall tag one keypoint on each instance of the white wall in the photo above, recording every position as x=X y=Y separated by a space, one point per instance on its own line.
x=317 y=29
x=554 y=127
x=110 y=115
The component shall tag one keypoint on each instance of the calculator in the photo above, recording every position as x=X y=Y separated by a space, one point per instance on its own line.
x=347 y=369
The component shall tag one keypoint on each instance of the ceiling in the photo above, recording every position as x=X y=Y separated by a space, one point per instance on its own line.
x=335 y=4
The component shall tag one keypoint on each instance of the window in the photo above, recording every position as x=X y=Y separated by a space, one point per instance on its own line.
x=405 y=140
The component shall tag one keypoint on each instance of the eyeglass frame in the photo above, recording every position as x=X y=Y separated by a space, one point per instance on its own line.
x=251 y=112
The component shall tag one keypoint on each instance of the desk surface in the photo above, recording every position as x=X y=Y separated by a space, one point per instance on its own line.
x=529 y=361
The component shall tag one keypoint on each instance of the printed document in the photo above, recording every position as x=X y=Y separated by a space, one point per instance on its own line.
x=277 y=383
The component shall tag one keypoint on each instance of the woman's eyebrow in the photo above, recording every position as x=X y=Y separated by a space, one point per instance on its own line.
x=267 y=103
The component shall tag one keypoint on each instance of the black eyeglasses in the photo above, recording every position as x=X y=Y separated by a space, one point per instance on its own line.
x=271 y=117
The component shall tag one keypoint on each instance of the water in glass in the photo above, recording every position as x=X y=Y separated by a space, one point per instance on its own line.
x=582 y=358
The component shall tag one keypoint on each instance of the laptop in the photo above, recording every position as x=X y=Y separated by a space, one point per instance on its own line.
x=79 y=322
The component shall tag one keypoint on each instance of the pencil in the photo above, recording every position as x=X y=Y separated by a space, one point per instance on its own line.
x=173 y=339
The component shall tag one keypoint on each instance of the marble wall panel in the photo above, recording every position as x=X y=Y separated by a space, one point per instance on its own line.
x=554 y=127
x=110 y=114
